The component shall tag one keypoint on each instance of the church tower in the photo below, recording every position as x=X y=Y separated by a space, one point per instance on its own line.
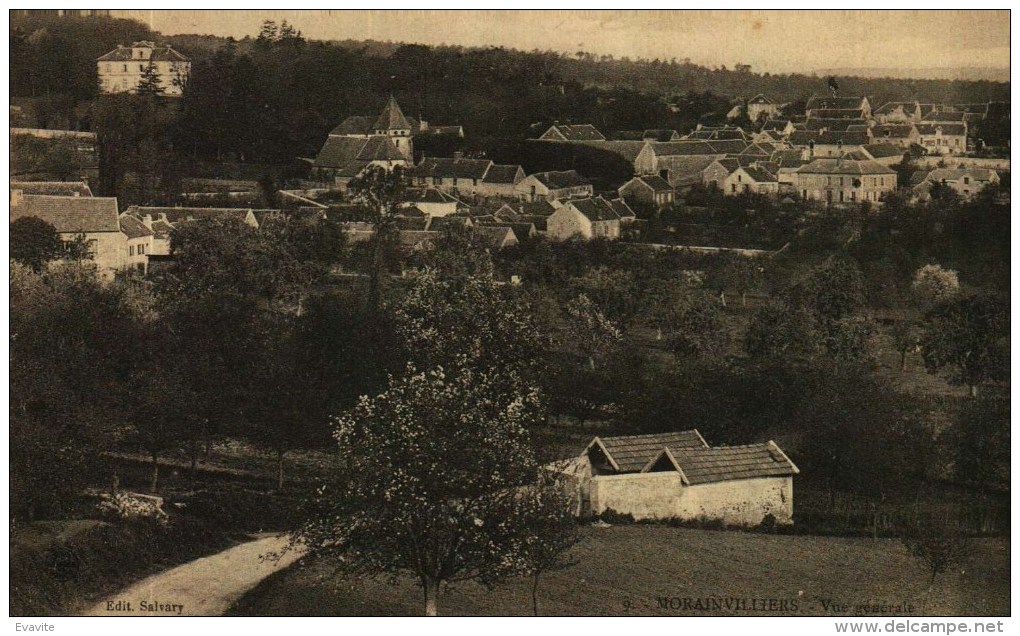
x=393 y=124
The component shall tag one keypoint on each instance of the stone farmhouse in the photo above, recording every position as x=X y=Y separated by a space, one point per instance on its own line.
x=648 y=189
x=575 y=132
x=116 y=243
x=121 y=70
x=588 y=219
x=826 y=103
x=943 y=138
x=679 y=476
x=469 y=176
x=966 y=182
x=553 y=185
x=760 y=105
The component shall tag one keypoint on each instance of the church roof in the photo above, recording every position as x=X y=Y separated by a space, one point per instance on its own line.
x=392 y=118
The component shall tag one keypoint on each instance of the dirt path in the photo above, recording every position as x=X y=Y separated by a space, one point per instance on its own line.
x=204 y=587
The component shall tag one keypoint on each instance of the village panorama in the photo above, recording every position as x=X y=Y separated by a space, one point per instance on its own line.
x=338 y=323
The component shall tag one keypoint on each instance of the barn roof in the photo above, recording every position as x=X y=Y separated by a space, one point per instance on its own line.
x=53 y=188
x=695 y=460
x=70 y=214
x=631 y=453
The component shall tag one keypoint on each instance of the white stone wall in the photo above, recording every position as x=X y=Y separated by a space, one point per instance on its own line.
x=567 y=222
x=662 y=495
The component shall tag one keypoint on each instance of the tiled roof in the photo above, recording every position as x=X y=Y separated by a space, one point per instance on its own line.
x=878 y=151
x=760 y=99
x=944 y=116
x=523 y=229
x=775 y=124
x=847 y=138
x=159 y=54
x=538 y=220
x=353 y=125
x=540 y=208
x=837 y=113
x=622 y=209
x=685 y=148
x=655 y=182
x=70 y=214
x=53 y=188
x=176 y=215
x=429 y=195
x=415 y=238
x=951 y=174
x=580 y=132
x=834 y=102
x=450 y=221
x=631 y=453
x=947 y=129
x=509 y=174
x=787 y=158
x=818 y=123
x=845 y=166
x=452 y=168
x=343 y=152
x=391 y=118
x=759 y=174
x=496 y=236
x=562 y=179
x=890 y=107
x=726 y=463
x=133 y=228
x=892 y=131
x=161 y=229
x=595 y=209
x=629 y=135
x=629 y=150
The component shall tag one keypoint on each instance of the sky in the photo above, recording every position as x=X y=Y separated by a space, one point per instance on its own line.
x=773 y=41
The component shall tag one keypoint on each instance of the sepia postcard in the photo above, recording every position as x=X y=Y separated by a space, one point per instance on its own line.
x=487 y=313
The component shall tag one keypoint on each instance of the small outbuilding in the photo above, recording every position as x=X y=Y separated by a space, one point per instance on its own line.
x=678 y=475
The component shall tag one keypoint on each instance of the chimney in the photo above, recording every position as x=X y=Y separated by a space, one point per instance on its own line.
x=147 y=221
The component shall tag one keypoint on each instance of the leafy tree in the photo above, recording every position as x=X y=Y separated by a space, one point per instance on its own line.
x=851 y=340
x=34 y=242
x=699 y=330
x=979 y=441
x=613 y=291
x=433 y=469
x=544 y=531
x=834 y=290
x=594 y=333
x=968 y=336
x=932 y=285
x=743 y=274
x=777 y=330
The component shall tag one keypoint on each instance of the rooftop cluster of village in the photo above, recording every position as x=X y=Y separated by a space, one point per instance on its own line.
x=840 y=152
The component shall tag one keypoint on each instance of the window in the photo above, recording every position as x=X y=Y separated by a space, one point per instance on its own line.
x=125 y=68
x=455 y=181
x=437 y=180
x=141 y=248
x=883 y=182
x=141 y=67
x=131 y=250
x=841 y=182
x=474 y=182
x=966 y=180
x=803 y=194
x=740 y=177
x=828 y=180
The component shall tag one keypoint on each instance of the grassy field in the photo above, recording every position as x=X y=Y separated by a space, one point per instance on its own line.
x=626 y=570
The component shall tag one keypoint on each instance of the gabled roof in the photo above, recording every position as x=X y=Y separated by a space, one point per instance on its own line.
x=845 y=166
x=726 y=463
x=70 y=215
x=728 y=163
x=509 y=174
x=538 y=220
x=631 y=453
x=696 y=462
x=578 y=132
x=947 y=129
x=496 y=236
x=890 y=107
x=452 y=168
x=787 y=158
x=759 y=174
x=595 y=209
x=684 y=148
x=53 y=188
x=343 y=152
x=562 y=179
x=760 y=99
x=132 y=227
x=391 y=118
x=541 y=208
x=655 y=182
